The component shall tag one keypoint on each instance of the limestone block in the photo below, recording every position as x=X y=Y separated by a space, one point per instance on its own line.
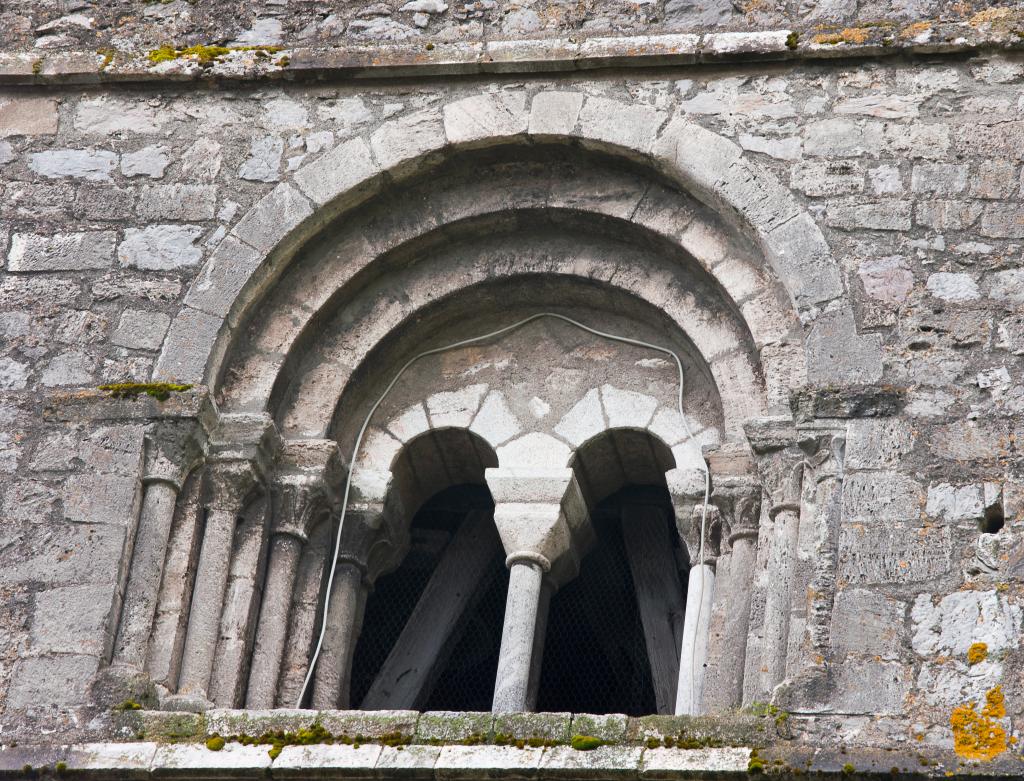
x=866 y=622
x=62 y=681
x=818 y=178
x=160 y=247
x=757 y=195
x=105 y=115
x=554 y=114
x=338 y=172
x=886 y=553
x=878 y=443
x=627 y=409
x=141 y=329
x=60 y=554
x=223 y=276
x=149 y=161
x=92 y=164
x=694 y=156
x=22 y=116
x=399 y=143
x=61 y=252
x=13 y=374
x=841 y=138
x=370 y=724
x=188 y=346
x=455 y=408
x=483 y=762
x=780 y=148
x=1007 y=287
x=379 y=450
x=954 y=287
x=1003 y=221
x=550 y=726
x=584 y=421
x=836 y=353
x=669 y=426
x=451 y=727
x=670 y=763
x=882 y=215
x=195 y=760
x=881 y=105
x=803 y=259
x=407 y=761
x=872 y=686
x=224 y=721
x=950 y=625
x=177 y=202
x=604 y=762
x=534 y=450
x=29 y=500
x=946 y=215
x=631 y=127
x=100 y=498
x=495 y=421
x=410 y=423
x=102 y=202
x=888 y=280
x=608 y=726
x=264 y=161
x=881 y=497
x=273 y=217
x=115 y=760
x=998 y=141
x=994 y=179
x=915 y=140
x=72 y=619
x=71 y=367
x=955 y=502
x=939 y=178
x=483 y=120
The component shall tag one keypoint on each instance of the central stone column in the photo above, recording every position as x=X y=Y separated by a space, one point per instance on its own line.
x=700 y=592
x=542 y=520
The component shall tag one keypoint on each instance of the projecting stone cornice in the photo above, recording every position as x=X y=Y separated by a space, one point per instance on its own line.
x=544 y=55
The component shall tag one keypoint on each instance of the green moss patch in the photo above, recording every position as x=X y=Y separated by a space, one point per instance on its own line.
x=161 y=391
x=205 y=54
x=585 y=742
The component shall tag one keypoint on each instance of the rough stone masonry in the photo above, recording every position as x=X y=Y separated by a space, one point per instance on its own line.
x=224 y=227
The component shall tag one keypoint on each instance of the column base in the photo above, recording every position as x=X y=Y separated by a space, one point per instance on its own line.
x=192 y=702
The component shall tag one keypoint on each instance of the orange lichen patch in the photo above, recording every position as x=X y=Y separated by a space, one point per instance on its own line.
x=990 y=15
x=849 y=35
x=977 y=653
x=915 y=29
x=978 y=735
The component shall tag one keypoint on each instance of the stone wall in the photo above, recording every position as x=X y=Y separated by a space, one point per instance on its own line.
x=114 y=196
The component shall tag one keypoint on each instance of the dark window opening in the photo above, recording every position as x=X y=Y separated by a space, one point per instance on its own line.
x=595 y=655
x=464 y=676
x=993 y=520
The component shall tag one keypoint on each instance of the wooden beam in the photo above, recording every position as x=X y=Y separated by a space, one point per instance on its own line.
x=659 y=595
x=422 y=649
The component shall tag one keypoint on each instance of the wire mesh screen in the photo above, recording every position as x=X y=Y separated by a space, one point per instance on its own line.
x=595 y=656
x=468 y=676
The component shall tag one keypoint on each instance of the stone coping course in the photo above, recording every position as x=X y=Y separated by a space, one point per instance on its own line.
x=546 y=55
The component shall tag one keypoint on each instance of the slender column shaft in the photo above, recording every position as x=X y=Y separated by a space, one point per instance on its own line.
x=778 y=598
x=272 y=631
x=539 y=635
x=699 y=594
x=143 y=590
x=207 y=601
x=737 y=618
x=332 y=679
x=511 y=689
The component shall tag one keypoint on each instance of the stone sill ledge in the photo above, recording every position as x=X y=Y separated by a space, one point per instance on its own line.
x=548 y=55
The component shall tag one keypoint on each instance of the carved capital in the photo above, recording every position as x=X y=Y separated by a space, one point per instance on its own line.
x=229 y=484
x=308 y=478
x=739 y=501
x=173 y=448
x=712 y=523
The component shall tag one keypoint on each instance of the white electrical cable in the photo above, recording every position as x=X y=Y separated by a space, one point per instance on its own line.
x=464 y=343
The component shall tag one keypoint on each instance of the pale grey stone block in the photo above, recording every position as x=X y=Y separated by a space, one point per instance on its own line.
x=105 y=115
x=223 y=276
x=120 y=760
x=889 y=280
x=803 y=260
x=101 y=498
x=475 y=762
x=344 y=760
x=478 y=120
x=141 y=329
x=881 y=105
x=954 y=287
x=92 y=164
x=225 y=721
x=370 y=724
x=160 y=247
x=399 y=142
x=757 y=195
x=994 y=179
x=6 y=152
x=451 y=727
x=629 y=126
x=24 y=116
x=550 y=726
x=688 y=14
x=601 y=762
x=60 y=554
x=878 y=443
x=947 y=215
x=554 y=113
x=273 y=217
x=149 y=161
x=881 y=497
x=790 y=148
x=177 y=202
x=188 y=347
x=694 y=156
x=51 y=681
x=410 y=761
x=888 y=553
x=264 y=161
x=29 y=500
x=670 y=763
x=61 y=252
x=1003 y=221
x=827 y=177
x=104 y=202
x=841 y=138
x=344 y=168
x=955 y=502
x=1007 y=286
x=866 y=622
x=607 y=726
x=72 y=619
x=872 y=686
x=939 y=178
x=72 y=367
x=837 y=353
x=192 y=760
x=882 y=215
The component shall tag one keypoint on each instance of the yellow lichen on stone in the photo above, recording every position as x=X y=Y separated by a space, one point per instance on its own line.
x=978 y=735
x=915 y=29
x=849 y=35
x=977 y=653
x=990 y=15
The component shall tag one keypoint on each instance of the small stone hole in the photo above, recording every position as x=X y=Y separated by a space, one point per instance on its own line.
x=993 y=520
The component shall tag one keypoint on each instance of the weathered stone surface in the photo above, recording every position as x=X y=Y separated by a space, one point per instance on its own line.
x=72 y=619
x=149 y=161
x=24 y=116
x=347 y=166
x=141 y=329
x=264 y=161
x=177 y=202
x=1003 y=221
x=272 y=218
x=91 y=164
x=61 y=252
x=160 y=247
x=51 y=681
x=104 y=115
x=883 y=215
x=889 y=280
x=892 y=554
x=866 y=622
x=956 y=288
x=881 y=497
